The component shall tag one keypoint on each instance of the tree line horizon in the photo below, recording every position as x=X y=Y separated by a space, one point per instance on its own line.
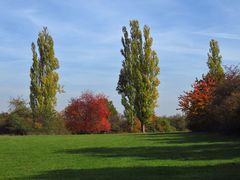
x=137 y=86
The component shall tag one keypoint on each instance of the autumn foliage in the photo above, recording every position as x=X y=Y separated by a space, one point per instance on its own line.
x=88 y=114
x=196 y=102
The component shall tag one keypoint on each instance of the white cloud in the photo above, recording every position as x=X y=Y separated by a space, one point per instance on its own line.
x=218 y=35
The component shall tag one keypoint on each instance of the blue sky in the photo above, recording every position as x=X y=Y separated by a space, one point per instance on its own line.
x=87 y=38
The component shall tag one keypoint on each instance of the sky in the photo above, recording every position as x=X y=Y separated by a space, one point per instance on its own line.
x=87 y=41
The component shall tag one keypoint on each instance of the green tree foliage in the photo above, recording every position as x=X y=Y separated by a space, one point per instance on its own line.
x=19 y=119
x=44 y=79
x=114 y=118
x=167 y=124
x=35 y=83
x=179 y=122
x=125 y=85
x=215 y=61
x=138 y=79
x=3 y=118
x=112 y=109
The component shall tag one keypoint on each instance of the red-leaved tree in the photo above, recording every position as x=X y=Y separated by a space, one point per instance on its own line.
x=88 y=114
x=195 y=102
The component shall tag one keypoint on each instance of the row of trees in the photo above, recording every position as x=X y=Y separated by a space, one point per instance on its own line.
x=138 y=79
x=90 y=113
x=214 y=102
x=205 y=106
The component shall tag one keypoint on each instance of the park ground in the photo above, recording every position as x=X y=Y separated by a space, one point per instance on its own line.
x=120 y=156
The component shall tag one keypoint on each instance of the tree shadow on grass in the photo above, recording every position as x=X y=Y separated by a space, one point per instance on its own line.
x=224 y=171
x=195 y=152
x=173 y=147
x=188 y=138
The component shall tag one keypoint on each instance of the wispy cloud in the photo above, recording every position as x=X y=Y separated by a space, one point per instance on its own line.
x=218 y=35
x=178 y=42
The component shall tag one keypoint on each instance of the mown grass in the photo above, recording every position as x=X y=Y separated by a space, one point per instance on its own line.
x=120 y=156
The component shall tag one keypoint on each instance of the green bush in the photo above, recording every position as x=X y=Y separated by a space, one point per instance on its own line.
x=163 y=125
x=160 y=124
x=3 y=119
x=179 y=122
x=18 y=125
x=118 y=123
x=19 y=121
x=55 y=125
x=167 y=124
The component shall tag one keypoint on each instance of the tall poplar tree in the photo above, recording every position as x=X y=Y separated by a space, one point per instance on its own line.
x=125 y=83
x=139 y=74
x=215 y=61
x=44 y=79
x=35 y=83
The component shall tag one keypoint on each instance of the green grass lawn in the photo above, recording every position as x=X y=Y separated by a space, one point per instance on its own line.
x=120 y=156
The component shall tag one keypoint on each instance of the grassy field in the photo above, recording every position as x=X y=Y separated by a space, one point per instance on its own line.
x=120 y=156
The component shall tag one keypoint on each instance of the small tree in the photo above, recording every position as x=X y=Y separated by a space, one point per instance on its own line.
x=19 y=120
x=88 y=114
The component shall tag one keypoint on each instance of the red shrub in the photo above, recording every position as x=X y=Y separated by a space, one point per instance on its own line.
x=88 y=114
x=196 y=100
x=196 y=103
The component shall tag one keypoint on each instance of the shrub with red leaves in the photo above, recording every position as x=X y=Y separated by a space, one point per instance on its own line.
x=88 y=114
x=196 y=100
x=196 y=103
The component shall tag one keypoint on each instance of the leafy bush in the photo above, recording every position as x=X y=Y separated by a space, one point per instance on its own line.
x=195 y=103
x=88 y=114
x=19 y=119
x=17 y=124
x=164 y=124
x=179 y=122
x=118 y=123
x=56 y=125
x=3 y=120
x=225 y=108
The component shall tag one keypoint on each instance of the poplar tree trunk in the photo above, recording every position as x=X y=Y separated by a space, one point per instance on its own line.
x=143 y=127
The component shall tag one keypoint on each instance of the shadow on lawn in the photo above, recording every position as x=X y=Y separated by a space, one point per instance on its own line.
x=176 y=138
x=226 y=171
x=218 y=149
x=196 y=152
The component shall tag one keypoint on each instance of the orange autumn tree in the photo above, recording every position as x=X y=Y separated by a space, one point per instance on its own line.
x=195 y=102
x=88 y=114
